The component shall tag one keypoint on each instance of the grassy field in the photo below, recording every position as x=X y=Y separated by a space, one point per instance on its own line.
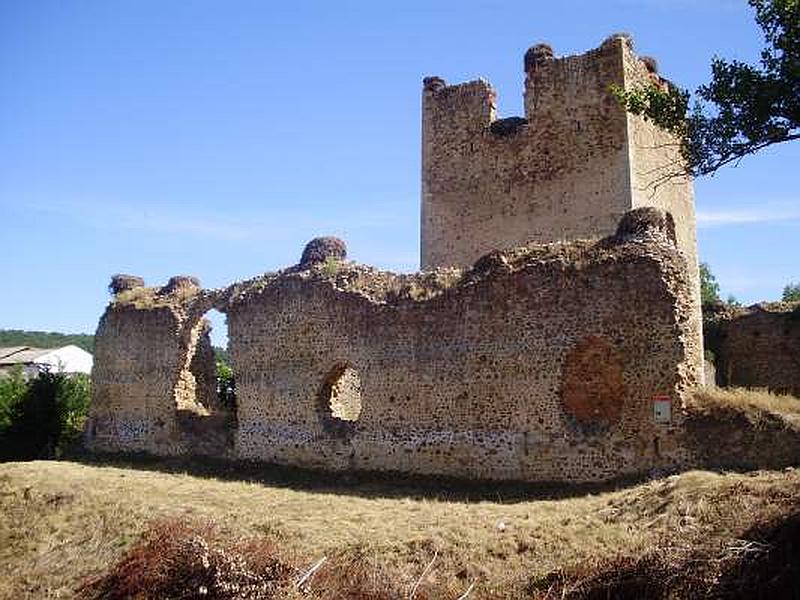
x=64 y=521
x=132 y=525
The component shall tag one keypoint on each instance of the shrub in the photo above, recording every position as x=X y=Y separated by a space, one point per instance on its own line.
x=791 y=293
x=12 y=389
x=226 y=385
x=709 y=288
x=43 y=417
x=181 y=559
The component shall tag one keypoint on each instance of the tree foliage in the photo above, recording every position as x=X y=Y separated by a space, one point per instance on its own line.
x=45 y=339
x=43 y=417
x=226 y=384
x=791 y=293
x=709 y=288
x=12 y=388
x=744 y=108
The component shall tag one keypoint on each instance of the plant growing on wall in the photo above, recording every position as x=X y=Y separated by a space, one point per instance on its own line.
x=331 y=266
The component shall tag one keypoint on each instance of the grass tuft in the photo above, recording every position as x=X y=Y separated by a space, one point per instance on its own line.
x=758 y=405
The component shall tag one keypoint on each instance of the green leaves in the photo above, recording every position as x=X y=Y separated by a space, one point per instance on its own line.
x=226 y=384
x=709 y=288
x=791 y=293
x=744 y=108
x=43 y=417
x=666 y=106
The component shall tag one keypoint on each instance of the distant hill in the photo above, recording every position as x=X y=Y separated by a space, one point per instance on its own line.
x=52 y=339
x=46 y=339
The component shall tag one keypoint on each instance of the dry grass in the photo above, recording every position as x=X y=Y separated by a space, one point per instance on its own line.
x=152 y=297
x=139 y=297
x=64 y=522
x=757 y=405
x=178 y=558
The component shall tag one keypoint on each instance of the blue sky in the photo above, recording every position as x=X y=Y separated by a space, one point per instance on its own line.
x=215 y=138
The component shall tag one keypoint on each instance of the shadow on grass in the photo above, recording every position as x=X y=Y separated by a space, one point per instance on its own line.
x=360 y=483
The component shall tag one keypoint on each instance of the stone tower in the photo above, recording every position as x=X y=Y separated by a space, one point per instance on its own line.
x=569 y=169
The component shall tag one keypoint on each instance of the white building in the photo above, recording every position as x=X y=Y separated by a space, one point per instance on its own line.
x=67 y=359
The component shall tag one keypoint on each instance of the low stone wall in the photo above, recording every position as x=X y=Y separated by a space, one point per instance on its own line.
x=562 y=362
x=757 y=346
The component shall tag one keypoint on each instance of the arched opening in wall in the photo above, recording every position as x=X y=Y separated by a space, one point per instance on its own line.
x=205 y=396
x=340 y=400
x=225 y=385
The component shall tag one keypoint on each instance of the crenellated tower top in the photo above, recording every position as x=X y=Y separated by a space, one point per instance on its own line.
x=567 y=169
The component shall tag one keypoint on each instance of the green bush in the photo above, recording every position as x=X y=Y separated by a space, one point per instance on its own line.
x=791 y=293
x=42 y=417
x=12 y=388
x=709 y=288
x=226 y=385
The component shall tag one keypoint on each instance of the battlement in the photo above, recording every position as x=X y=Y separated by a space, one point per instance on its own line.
x=567 y=169
x=547 y=78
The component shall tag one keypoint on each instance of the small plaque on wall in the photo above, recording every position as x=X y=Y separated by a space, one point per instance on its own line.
x=662 y=409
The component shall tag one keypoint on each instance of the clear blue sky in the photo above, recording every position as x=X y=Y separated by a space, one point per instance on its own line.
x=215 y=138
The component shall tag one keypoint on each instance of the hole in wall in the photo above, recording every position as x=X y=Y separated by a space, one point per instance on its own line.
x=205 y=396
x=225 y=382
x=340 y=399
x=196 y=385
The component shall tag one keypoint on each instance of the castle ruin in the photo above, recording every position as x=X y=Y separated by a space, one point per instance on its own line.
x=757 y=346
x=553 y=335
x=568 y=170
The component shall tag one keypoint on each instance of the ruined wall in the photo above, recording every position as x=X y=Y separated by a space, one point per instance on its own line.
x=757 y=347
x=197 y=384
x=153 y=372
x=567 y=171
x=543 y=363
x=539 y=365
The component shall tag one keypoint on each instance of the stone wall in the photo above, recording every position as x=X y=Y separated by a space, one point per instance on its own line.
x=137 y=360
x=550 y=359
x=656 y=168
x=541 y=363
x=757 y=347
x=568 y=170
x=154 y=370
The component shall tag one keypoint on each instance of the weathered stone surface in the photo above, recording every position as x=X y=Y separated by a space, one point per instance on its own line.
x=757 y=346
x=545 y=361
x=464 y=373
x=592 y=385
x=153 y=369
x=567 y=170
